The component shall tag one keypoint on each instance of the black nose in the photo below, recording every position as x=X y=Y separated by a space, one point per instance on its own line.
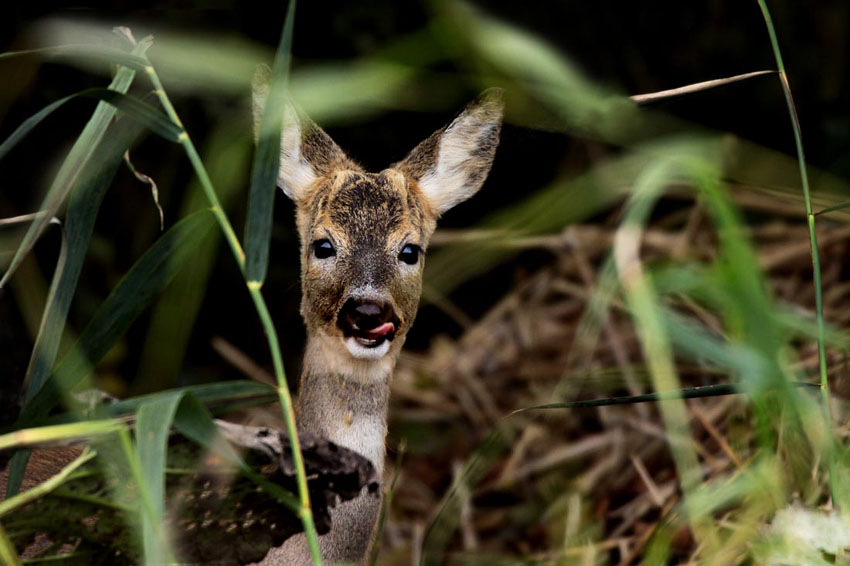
x=359 y=316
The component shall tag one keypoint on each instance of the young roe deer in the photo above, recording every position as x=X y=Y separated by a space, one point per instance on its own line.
x=363 y=237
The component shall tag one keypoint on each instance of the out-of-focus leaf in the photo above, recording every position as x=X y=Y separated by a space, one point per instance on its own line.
x=96 y=53
x=153 y=425
x=56 y=433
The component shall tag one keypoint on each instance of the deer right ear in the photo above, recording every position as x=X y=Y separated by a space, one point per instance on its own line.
x=452 y=164
x=306 y=151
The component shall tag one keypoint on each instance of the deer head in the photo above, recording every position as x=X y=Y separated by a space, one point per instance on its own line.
x=364 y=235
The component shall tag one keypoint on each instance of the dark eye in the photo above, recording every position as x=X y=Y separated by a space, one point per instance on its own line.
x=410 y=254
x=323 y=248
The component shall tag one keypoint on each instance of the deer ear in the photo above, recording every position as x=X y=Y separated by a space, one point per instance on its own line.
x=453 y=163
x=306 y=151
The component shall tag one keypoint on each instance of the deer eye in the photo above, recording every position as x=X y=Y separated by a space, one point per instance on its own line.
x=323 y=249
x=410 y=254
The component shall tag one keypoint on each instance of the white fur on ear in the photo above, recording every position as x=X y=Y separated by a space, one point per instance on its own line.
x=296 y=174
x=452 y=164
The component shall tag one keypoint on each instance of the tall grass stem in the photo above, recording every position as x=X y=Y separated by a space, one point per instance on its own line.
x=306 y=513
x=804 y=179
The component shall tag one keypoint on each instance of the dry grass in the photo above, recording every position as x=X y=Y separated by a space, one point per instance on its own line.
x=592 y=484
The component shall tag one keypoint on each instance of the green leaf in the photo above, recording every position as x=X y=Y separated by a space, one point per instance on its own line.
x=148 y=277
x=82 y=211
x=30 y=123
x=833 y=208
x=207 y=394
x=267 y=160
x=153 y=425
x=9 y=505
x=87 y=52
x=224 y=396
x=7 y=550
x=70 y=173
x=144 y=113
x=56 y=433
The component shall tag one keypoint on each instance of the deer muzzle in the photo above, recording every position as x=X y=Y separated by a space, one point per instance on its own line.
x=370 y=322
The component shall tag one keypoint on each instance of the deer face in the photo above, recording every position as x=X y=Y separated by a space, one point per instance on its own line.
x=364 y=235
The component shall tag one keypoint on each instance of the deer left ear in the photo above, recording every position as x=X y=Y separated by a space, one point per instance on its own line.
x=306 y=151
x=452 y=164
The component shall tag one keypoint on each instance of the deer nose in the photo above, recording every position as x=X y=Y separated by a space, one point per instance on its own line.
x=368 y=318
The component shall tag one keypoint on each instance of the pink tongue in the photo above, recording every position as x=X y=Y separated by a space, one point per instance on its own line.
x=381 y=331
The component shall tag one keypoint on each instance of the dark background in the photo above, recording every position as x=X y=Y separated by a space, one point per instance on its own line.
x=628 y=47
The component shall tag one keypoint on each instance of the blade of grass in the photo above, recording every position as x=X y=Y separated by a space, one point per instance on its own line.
x=684 y=393
x=305 y=511
x=810 y=217
x=146 y=114
x=56 y=433
x=833 y=208
x=79 y=156
x=103 y=53
x=138 y=110
x=267 y=160
x=223 y=395
x=696 y=87
x=7 y=550
x=644 y=306
x=82 y=210
x=9 y=505
x=147 y=507
x=153 y=425
x=147 y=278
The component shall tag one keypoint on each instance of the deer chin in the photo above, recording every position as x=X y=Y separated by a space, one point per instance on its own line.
x=367 y=349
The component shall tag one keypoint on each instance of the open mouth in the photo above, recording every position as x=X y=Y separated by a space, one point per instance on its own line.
x=376 y=336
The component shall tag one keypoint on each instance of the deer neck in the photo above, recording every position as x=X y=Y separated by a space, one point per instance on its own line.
x=345 y=399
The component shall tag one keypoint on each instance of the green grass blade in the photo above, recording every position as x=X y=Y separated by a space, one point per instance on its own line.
x=804 y=178
x=153 y=426
x=57 y=433
x=146 y=114
x=8 y=555
x=206 y=394
x=222 y=396
x=138 y=110
x=9 y=505
x=30 y=123
x=833 y=208
x=644 y=304
x=79 y=156
x=82 y=211
x=97 y=53
x=267 y=160
x=148 y=277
